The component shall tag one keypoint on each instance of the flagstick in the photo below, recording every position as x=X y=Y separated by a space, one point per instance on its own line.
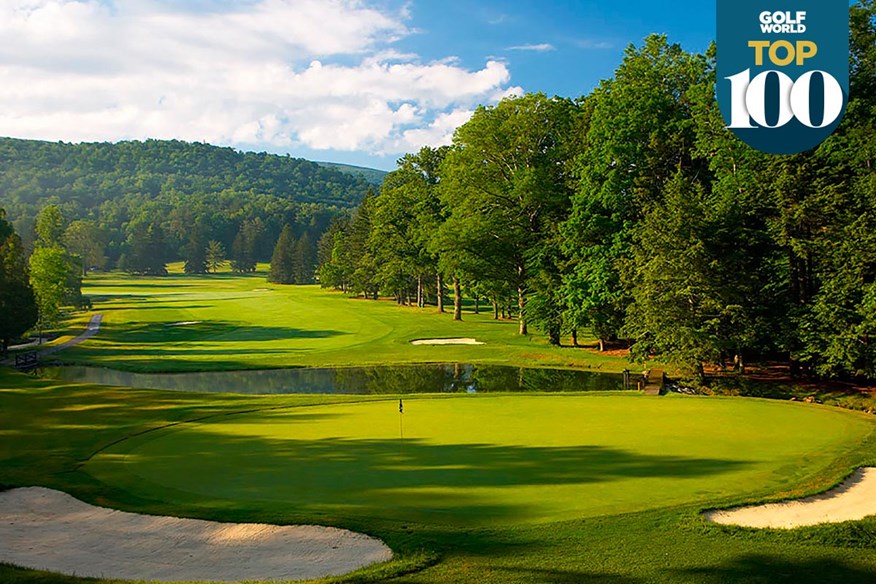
x=401 y=417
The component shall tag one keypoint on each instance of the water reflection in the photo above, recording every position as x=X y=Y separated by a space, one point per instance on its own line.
x=401 y=379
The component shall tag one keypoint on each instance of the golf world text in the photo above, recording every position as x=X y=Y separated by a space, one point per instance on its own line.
x=751 y=93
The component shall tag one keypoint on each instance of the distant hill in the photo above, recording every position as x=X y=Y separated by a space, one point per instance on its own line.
x=125 y=186
x=92 y=173
x=372 y=175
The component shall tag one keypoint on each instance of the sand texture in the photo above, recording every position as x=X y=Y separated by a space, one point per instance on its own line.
x=854 y=499
x=50 y=530
x=446 y=342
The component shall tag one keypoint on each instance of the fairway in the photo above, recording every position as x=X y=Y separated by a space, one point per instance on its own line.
x=228 y=322
x=478 y=461
x=491 y=487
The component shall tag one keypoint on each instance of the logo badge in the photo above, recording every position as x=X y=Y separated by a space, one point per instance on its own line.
x=782 y=71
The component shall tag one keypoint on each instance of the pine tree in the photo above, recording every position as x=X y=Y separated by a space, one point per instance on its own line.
x=304 y=260
x=244 y=249
x=215 y=255
x=147 y=254
x=196 y=252
x=282 y=261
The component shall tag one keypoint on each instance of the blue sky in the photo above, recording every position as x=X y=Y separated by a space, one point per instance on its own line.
x=573 y=44
x=355 y=81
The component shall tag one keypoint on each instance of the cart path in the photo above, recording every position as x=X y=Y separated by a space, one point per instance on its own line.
x=91 y=330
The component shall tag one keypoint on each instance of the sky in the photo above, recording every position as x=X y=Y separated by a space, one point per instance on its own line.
x=353 y=81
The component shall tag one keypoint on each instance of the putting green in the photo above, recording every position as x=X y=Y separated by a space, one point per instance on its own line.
x=478 y=460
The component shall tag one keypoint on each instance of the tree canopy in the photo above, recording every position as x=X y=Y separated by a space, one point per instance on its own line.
x=18 y=309
x=121 y=189
x=633 y=212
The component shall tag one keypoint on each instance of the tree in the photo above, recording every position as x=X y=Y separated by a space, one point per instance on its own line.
x=405 y=223
x=506 y=188
x=147 y=251
x=304 y=260
x=86 y=240
x=244 y=250
x=215 y=255
x=18 y=309
x=334 y=268
x=55 y=274
x=196 y=251
x=282 y=261
x=640 y=133
x=50 y=227
x=355 y=257
x=831 y=227
x=49 y=276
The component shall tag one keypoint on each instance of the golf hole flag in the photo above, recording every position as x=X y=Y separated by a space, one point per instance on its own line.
x=782 y=71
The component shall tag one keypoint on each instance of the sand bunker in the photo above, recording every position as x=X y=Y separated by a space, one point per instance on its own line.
x=50 y=530
x=184 y=323
x=446 y=342
x=852 y=500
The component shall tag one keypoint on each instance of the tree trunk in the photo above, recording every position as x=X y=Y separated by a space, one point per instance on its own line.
x=575 y=338
x=521 y=303
x=440 y=294
x=554 y=336
x=477 y=304
x=601 y=345
x=457 y=299
x=495 y=310
x=419 y=291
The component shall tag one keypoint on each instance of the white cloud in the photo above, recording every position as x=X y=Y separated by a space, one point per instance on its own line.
x=539 y=48
x=280 y=73
x=594 y=44
x=438 y=133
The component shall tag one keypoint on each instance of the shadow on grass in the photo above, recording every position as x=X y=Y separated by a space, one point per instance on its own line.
x=402 y=480
x=145 y=282
x=549 y=576
x=139 y=333
x=162 y=306
x=768 y=569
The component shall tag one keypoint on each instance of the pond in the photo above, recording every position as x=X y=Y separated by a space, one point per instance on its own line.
x=401 y=379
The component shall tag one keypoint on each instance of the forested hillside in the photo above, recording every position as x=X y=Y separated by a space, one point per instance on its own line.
x=179 y=188
x=372 y=175
x=634 y=213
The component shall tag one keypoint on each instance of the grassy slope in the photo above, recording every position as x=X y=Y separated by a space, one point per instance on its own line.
x=486 y=460
x=49 y=430
x=244 y=323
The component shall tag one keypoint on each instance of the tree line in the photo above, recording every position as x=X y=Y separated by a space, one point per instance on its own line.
x=138 y=205
x=67 y=209
x=633 y=213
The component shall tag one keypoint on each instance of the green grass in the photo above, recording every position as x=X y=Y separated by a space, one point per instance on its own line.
x=245 y=323
x=490 y=489
x=668 y=458
x=482 y=461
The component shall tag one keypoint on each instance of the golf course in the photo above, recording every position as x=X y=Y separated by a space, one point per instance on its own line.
x=491 y=487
